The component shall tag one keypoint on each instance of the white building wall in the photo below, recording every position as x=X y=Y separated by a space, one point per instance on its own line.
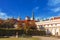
x=46 y=25
x=58 y=24
x=54 y=24
x=38 y=27
x=49 y=25
x=53 y=31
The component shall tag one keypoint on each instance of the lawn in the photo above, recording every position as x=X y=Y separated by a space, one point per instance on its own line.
x=21 y=38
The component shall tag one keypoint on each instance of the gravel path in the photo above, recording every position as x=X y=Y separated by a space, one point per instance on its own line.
x=47 y=38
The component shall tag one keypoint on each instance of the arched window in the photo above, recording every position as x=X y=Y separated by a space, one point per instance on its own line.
x=41 y=27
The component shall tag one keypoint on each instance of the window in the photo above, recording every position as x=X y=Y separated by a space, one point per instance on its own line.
x=50 y=25
x=47 y=25
x=53 y=24
x=41 y=27
x=58 y=24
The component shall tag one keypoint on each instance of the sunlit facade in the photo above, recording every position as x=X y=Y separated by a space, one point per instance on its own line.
x=51 y=26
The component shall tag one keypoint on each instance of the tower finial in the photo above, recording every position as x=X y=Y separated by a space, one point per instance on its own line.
x=32 y=15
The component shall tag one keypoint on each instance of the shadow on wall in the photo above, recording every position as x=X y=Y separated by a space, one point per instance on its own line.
x=47 y=31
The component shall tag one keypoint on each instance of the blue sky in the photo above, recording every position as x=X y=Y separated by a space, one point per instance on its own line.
x=23 y=8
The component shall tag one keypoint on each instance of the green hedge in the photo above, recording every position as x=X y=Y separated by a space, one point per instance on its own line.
x=20 y=32
x=36 y=32
x=9 y=32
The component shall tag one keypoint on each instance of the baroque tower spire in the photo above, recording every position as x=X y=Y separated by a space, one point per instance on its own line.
x=32 y=15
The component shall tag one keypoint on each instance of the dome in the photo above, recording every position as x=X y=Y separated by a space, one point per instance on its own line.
x=27 y=18
x=18 y=18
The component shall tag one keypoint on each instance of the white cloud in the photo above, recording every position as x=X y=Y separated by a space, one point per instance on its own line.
x=53 y=2
x=54 y=6
x=36 y=7
x=36 y=18
x=4 y=15
x=56 y=9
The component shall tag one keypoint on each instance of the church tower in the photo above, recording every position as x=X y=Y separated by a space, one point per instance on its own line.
x=32 y=16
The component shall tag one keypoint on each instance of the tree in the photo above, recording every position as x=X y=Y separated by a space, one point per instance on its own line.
x=19 y=25
x=8 y=24
x=1 y=22
x=29 y=25
x=26 y=26
x=33 y=25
